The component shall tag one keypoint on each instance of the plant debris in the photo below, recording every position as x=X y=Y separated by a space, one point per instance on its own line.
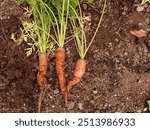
x=139 y=33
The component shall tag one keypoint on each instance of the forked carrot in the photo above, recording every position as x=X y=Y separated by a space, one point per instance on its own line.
x=60 y=60
x=41 y=76
x=60 y=28
x=78 y=73
x=81 y=43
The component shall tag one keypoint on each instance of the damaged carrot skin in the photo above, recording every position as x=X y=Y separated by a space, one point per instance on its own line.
x=78 y=73
x=41 y=77
x=60 y=60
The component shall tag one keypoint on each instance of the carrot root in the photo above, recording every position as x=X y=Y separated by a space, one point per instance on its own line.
x=60 y=59
x=78 y=73
x=41 y=77
x=41 y=97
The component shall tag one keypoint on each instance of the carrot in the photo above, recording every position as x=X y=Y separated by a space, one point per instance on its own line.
x=41 y=76
x=78 y=73
x=60 y=59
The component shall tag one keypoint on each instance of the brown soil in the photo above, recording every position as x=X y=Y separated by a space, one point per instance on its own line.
x=117 y=78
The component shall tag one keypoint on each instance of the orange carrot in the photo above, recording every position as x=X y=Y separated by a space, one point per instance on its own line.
x=78 y=73
x=41 y=76
x=60 y=59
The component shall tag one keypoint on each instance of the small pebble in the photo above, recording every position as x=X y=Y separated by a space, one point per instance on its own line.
x=80 y=106
x=56 y=91
x=92 y=102
x=115 y=95
x=116 y=40
x=50 y=97
x=84 y=6
x=110 y=43
x=117 y=61
x=70 y=105
x=140 y=8
x=124 y=13
x=119 y=68
x=106 y=105
x=68 y=51
x=95 y=92
x=125 y=53
x=107 y=53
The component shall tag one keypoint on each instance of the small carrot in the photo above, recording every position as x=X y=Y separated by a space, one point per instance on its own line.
x=60 y=59
x=41 y=76
x=81 y=43
x=78 y=73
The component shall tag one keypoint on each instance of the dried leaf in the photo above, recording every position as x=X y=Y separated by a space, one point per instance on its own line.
x=139 y=33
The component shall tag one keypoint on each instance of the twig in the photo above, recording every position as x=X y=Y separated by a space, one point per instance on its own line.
x=2 y=38
x=121 y=36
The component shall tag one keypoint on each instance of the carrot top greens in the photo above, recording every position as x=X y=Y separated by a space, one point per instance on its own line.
x=144 y=1
x=79 y=32
x=37 y=32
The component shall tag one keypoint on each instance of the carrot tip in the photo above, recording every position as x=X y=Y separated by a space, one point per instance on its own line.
x=65 y=96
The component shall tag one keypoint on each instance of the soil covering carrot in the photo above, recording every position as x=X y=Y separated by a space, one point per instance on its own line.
x=60 y=60
x=41 y=76
x=78 y=73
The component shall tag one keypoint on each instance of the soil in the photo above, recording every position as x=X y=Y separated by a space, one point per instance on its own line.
x=117 y=77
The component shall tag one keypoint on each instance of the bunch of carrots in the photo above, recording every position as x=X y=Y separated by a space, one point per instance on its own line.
x=82 y=48
x=45 y=19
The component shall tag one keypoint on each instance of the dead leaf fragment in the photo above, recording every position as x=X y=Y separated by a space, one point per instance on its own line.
x=139 y=33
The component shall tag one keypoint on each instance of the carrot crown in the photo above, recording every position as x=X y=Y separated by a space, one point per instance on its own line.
x=60 y=23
